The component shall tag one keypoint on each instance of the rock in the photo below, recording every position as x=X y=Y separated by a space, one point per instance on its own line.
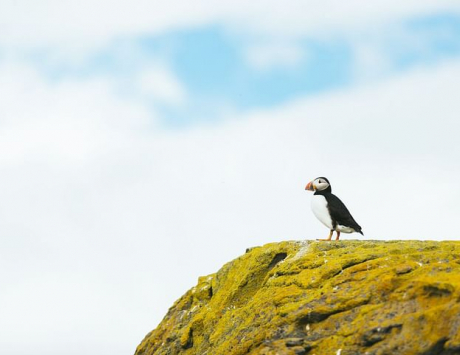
x=294 y=342
x=346 y=297
x=375 y=335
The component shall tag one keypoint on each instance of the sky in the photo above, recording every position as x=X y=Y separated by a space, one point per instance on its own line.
x=146 y=143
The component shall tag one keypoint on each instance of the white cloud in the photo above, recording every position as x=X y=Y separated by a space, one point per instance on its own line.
x=161 y=84
x=70 y=119
x=106 y=220
x=72 y=23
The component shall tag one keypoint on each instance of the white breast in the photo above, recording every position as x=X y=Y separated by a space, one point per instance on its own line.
x=319 y=208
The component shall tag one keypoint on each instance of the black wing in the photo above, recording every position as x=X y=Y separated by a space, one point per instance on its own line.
x=340 y=214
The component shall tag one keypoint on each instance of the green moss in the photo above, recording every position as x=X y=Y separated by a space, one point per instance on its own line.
x=319 y=297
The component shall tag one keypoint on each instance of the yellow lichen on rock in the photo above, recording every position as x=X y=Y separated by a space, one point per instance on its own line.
x=398 y=297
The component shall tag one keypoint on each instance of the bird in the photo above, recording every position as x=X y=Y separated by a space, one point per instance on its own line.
x=330 y=210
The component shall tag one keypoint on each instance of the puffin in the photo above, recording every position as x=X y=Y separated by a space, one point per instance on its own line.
x=330 y=210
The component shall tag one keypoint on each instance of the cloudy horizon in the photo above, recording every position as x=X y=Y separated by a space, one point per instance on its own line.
x=143 y=145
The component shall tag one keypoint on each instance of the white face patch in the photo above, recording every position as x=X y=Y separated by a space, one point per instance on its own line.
x=320 y=184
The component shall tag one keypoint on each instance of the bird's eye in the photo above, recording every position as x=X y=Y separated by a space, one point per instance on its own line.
x=320 y=182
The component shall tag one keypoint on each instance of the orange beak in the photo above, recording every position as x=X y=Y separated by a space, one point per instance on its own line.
x=310 y=186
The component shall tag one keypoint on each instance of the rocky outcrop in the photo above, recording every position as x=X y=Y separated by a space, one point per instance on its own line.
x=339 y=298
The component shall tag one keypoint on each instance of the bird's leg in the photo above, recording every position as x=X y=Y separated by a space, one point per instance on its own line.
x=329 y=237
x=338 y=235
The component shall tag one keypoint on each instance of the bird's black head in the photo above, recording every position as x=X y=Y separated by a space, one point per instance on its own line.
x=320 y=185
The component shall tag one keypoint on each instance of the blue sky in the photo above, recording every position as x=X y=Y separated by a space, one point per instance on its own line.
x=213 y=66
x=144 y=144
